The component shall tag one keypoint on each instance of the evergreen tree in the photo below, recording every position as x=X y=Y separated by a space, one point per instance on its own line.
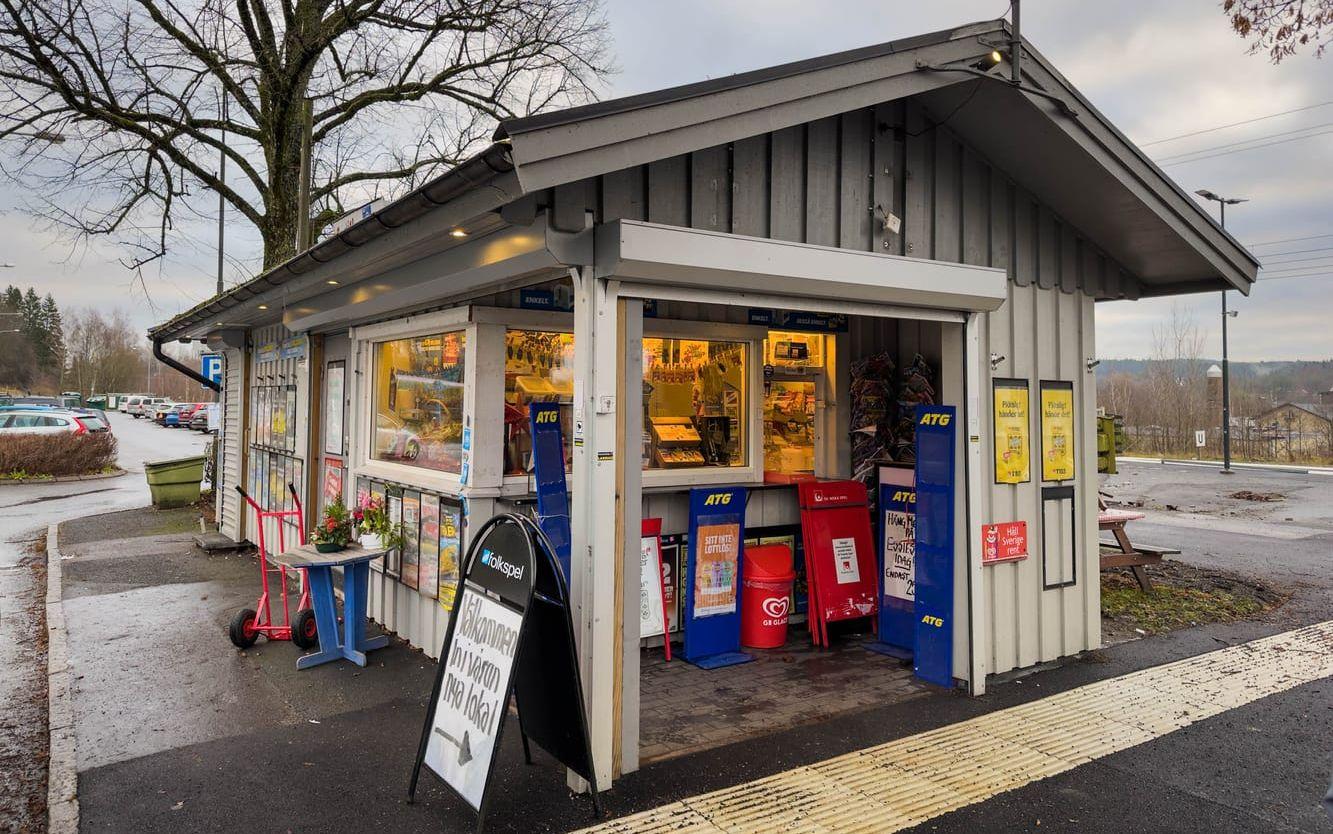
x=54 y=334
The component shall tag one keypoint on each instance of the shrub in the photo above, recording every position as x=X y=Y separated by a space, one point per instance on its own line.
x=57 y=454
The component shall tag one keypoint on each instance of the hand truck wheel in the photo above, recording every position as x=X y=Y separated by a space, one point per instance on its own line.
x=305 y=633
x=242 y=630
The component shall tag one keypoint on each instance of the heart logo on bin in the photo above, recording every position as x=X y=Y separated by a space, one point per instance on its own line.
x=776 y=607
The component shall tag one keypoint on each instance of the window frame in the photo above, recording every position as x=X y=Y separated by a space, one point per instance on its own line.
x=752 y=336
x=365 y=341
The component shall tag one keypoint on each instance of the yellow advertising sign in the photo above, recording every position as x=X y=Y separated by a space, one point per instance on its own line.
x=1013 y=433
x=1057 y=431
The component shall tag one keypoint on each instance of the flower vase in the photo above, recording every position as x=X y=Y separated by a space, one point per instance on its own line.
x=372 y=541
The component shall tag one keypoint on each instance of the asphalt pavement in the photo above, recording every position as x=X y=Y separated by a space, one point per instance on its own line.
x=179 y=731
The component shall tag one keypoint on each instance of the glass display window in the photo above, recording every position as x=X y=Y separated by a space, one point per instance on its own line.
x=539 y=367
x=418 y=419
x=694 y=401
x=789 y=349
x=789 y=427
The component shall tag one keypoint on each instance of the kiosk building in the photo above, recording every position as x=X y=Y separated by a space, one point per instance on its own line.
x=746 y=281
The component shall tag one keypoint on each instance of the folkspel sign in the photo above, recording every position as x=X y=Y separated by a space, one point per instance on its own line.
x=509 y=633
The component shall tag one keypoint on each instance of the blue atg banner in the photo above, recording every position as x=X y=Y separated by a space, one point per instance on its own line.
x=936 y=431
x=713 y=577
x=548 y=470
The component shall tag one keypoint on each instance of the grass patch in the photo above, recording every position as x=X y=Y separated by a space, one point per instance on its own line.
x=1167 y=609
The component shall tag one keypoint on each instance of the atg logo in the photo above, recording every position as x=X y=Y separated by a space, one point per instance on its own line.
x=551 y=416
x=492 y=560
x=906 y=495
x=938 y=622
x=717 y=498
x=935 y=418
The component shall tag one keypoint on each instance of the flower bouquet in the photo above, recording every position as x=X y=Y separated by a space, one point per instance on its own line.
x=334 y=532
x=378 y=531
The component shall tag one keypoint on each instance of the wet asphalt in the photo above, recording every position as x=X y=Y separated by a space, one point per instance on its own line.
x=180 y=731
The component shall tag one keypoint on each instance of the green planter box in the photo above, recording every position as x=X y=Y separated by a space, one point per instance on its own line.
x=174 y=483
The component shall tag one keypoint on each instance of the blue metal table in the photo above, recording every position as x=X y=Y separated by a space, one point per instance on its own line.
x=351 y=644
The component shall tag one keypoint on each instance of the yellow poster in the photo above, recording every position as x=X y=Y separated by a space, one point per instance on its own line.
x=1013 y=433
x=1057 y=431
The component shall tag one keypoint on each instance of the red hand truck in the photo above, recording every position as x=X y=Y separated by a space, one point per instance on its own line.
x=249 y=623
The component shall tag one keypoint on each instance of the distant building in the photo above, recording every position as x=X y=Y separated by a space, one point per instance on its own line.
x=1296 y=430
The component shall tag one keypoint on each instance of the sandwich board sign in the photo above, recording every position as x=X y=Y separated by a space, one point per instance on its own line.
x=509 y=633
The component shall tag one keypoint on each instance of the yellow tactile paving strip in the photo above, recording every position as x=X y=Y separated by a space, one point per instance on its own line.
x=905 y=782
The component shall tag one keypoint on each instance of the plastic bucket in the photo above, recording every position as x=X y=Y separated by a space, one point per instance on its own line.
x=766 y=596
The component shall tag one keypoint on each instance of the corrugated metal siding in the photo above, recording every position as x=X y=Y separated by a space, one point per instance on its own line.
x=231 y=507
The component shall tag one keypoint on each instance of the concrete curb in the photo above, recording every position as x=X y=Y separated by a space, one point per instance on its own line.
x=60 y=479
x=62 y=778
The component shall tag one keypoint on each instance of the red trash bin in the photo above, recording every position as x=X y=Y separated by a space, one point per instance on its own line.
x=766 y=596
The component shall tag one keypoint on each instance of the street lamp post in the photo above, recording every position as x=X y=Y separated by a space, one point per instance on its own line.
x=1223 y=202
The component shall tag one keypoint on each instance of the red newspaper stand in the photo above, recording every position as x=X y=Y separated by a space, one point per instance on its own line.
x=840 y=561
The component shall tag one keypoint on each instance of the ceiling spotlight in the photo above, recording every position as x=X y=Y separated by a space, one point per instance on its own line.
x=263 y=306
x=995 y=56
x=457 y=233
x=331 y=282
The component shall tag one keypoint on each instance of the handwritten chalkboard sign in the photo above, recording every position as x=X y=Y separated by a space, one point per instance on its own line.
x=509 y=632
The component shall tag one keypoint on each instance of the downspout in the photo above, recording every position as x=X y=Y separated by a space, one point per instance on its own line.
x=188 y=371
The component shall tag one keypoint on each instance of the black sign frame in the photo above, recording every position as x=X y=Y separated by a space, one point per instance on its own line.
x=542 y=704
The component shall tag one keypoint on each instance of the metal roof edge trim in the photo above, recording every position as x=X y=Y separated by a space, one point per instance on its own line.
x=462 y=178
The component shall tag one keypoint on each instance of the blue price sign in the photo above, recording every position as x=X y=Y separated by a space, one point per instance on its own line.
x=210 y=366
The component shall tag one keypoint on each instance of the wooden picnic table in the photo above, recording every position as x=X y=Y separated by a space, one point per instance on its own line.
x=1122 y=553
x=355 y=561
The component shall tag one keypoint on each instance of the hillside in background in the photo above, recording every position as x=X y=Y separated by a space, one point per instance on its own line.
x=1297 y=381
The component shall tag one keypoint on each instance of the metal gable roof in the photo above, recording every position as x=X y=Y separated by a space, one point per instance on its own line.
x=1067 y=154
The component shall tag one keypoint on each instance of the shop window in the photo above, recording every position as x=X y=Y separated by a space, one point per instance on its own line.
x=786 y=349
x=694 y=394
x=539 y=368
x=419 y=401
x=789 y=427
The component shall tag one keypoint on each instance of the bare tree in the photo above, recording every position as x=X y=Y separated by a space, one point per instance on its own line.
x=104 y=353
x=117 y=110
x=1281 y=27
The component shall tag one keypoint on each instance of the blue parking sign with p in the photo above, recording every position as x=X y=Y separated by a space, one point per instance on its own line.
x=211 y=367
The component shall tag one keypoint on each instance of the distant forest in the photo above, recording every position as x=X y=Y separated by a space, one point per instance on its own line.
x=1274 y=382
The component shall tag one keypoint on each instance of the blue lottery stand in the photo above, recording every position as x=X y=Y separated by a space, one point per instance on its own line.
x=548 y=470
x=897 y=623
x=712 y=642
x=936 y=430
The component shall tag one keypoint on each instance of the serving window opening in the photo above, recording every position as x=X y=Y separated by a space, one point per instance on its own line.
x=695 y=403
x=539 y=368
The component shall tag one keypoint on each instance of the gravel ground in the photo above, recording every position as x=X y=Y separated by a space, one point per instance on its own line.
x=23 y=730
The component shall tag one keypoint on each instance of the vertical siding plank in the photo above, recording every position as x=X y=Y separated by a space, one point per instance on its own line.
x=1048 y=249
x=570 y=201
x=1092 y=270
x=1090 y=567
x=1071 y=347
x=1025 y=239
x=622 y=195
x=749 y=187
x=948 y=197
x=976 y=210
x=710 y=190
x=1048 y=367
x=669 y=191
x=855 y=221
x=821 y=182
x=1069 y=259
x=787 y=184
x=916 y=207
x=886 y=176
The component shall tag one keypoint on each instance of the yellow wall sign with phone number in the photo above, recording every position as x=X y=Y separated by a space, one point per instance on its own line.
x=1013 y=440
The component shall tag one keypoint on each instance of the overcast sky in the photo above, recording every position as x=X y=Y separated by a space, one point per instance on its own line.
x=1155 y=69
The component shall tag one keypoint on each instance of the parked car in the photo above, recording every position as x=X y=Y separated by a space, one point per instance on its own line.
x=199 y=421
x=141 y=405
x=49 y=421
x=179 y=415
x=160 y=412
